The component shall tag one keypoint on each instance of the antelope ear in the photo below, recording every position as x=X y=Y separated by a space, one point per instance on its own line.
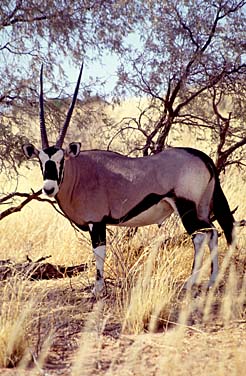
x=30 y=151
x=72 y=150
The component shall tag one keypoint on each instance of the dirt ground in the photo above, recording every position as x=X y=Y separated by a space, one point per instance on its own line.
x=218 y=351
x=87 y=339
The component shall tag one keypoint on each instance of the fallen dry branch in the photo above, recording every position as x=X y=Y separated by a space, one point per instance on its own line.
x=37 y=270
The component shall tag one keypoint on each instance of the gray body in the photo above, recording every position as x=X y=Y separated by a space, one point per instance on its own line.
x=105 y=186
x=95 y=188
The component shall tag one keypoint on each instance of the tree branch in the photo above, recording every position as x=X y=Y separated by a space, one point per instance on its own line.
x=221 y=163
x=29 y=197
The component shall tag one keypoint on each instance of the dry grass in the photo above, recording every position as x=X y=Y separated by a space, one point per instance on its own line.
x=146 y=324
x=16 y=309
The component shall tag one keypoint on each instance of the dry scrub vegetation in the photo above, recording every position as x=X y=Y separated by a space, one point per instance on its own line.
x=146 y=324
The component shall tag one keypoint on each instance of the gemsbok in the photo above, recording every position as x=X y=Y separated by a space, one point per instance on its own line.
x=96 y=188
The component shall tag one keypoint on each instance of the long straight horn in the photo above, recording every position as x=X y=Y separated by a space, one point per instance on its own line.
x=70 y=111
x=44 y=138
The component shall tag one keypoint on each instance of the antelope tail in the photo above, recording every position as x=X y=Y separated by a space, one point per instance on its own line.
x=222 y=212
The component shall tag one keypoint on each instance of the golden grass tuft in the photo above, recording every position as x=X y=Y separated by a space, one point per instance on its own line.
x=15 y=321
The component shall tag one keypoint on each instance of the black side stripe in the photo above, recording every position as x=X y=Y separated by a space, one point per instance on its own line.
x=145 y=204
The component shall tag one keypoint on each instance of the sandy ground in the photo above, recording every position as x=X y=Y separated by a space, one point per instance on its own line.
x=84 y=345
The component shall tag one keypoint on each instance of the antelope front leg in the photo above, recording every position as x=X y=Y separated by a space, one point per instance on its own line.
x=98 y=239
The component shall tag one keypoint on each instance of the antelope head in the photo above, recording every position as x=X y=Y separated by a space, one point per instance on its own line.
x=51 y=158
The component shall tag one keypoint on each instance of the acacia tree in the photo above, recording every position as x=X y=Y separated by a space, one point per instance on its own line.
x=193 y=53
x=187 y=49
x=32 y=32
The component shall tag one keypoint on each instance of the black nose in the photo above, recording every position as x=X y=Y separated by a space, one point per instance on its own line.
x=48 y=191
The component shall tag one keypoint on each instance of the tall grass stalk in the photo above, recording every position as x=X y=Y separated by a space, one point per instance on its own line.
x=151 y=297
x=15 y=321
x=88 y=354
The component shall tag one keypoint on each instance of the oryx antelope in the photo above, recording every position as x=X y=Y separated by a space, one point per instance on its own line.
x=96 y=188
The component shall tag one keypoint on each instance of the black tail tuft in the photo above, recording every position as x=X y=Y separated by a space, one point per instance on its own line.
x=222 y=211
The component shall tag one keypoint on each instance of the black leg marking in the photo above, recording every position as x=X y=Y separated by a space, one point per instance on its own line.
x=213 y=233
x=98 y=238
x=98 y=275
x=98 y=234
x=188 y=215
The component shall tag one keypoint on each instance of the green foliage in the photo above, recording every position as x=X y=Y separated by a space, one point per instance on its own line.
x=10 y=148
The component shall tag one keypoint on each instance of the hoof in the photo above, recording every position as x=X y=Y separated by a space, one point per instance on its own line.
x=210 y=284
x=99 y=288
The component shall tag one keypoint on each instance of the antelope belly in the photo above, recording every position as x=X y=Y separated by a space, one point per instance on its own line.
x=156 y=214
